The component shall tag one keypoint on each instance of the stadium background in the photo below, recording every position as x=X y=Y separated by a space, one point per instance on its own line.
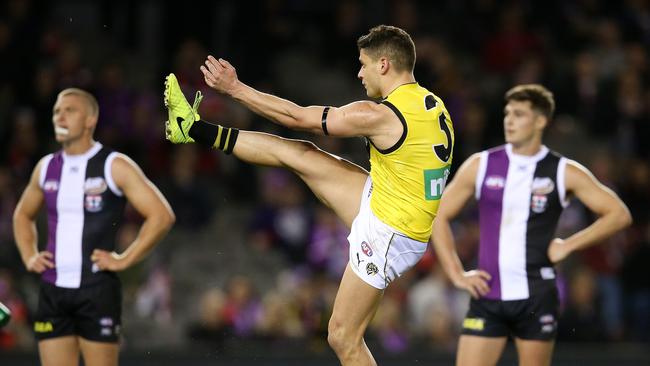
x=248 y=274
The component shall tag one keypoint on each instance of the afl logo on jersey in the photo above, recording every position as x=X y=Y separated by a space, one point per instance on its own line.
x=95 y=186
x=366 y=249
x=51 y=186
x=495 y=182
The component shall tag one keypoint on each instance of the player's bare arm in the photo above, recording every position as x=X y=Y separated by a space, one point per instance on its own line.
x=454 y=198
x=25 y=226
x=612 y=213
x=148 y=202
x=363 y=118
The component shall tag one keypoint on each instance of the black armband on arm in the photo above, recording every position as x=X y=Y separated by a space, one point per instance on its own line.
x=323 y=120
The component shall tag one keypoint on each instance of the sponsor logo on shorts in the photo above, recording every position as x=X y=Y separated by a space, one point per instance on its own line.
x=548 y=328
x=371 y=269
x=367 y=250
x=43 y=327
x=359 y=260
x=474 y=323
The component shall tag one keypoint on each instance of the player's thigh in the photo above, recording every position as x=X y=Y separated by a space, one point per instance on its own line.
x=336 y=182
x=99 y=353
x=479 y=351
x=59 y=351
x=533 y=352
x=355 y=305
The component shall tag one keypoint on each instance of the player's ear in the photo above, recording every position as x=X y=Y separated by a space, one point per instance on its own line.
x=91 y=121
x=383 y=65
x=541 y=121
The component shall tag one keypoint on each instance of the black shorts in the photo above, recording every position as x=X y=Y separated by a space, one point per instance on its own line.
x=533 y=318
x=93 y=312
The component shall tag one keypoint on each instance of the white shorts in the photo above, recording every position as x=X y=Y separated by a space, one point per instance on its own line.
x=378 y=253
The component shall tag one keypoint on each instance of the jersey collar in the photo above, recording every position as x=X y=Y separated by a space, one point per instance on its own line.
x=525 y=159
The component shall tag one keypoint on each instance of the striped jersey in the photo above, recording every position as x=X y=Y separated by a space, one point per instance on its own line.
x=84 y=209
x=520 y=201
x=408 y=178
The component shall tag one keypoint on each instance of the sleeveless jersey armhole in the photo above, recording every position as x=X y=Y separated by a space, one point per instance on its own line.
x=561 y=182
x=108 y=173
x=480 y=174
x=43 y=171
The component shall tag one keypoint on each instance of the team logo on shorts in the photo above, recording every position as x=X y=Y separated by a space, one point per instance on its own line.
x=371 y=269
x=548 y=323
x=367 y=250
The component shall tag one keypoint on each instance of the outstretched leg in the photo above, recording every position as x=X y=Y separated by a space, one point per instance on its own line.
x=336 y=182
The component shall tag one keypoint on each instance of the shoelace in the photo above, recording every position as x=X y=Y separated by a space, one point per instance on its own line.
x=197 y=100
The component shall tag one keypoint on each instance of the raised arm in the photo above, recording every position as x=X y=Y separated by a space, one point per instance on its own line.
x=612 y=213
x=150 y=203
x=456 y=194
x=24 y=223
x=362 y=118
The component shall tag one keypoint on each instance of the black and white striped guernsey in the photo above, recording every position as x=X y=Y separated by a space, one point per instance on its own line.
x=520 y=202
x=84 y=210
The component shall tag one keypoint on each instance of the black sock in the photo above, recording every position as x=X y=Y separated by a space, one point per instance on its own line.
x=214 y=136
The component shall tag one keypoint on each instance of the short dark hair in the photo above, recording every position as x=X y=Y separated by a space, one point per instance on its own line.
x=539 y=97
x=392 y=42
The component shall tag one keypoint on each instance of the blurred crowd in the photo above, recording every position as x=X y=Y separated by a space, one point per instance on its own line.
x=594 y=55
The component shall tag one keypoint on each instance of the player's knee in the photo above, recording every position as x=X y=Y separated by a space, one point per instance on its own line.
x=307 y=147
x=339 y=337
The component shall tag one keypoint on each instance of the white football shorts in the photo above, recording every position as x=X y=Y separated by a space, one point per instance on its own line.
x=378 y=253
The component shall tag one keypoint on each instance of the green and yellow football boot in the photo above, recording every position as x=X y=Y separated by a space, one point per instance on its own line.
x=181 y=116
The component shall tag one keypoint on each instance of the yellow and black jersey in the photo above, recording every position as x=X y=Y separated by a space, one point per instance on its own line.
x=408 y=178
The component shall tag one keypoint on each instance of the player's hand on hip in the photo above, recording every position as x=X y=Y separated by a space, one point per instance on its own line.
x=40 y=261
x=558 y=250
x=107 y=261
x=475 y=282
x=219 y=74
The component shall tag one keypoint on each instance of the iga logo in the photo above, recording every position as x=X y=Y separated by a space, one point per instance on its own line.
x=365 y=247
